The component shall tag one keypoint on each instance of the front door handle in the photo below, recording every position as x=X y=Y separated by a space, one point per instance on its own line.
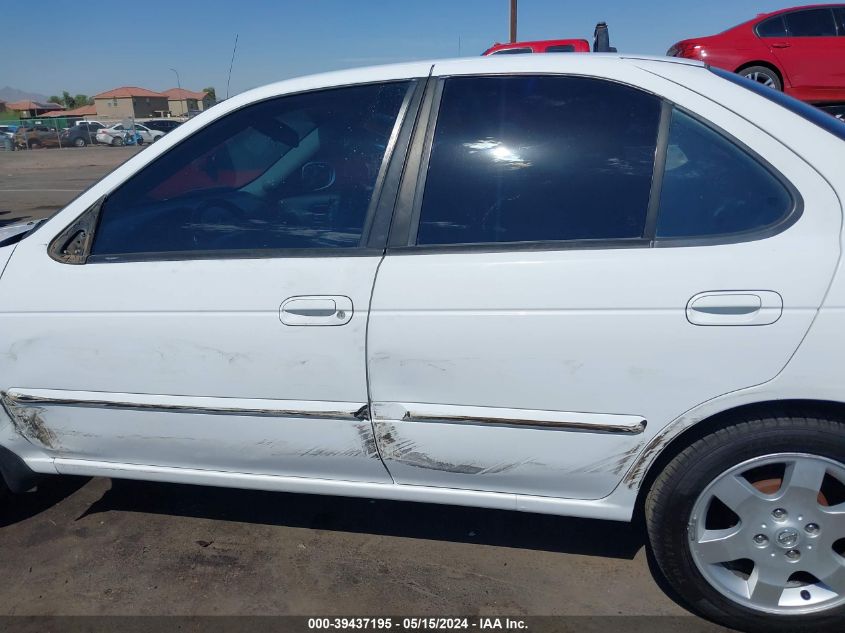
x=316 y=310
x=781 y=45
x=735 y=307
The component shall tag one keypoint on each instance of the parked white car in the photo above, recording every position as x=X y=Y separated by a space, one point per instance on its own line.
x=116 y=134
x=599 y=286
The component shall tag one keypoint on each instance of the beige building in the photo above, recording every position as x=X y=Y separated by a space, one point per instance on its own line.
x=130 y=102
x=183 y=102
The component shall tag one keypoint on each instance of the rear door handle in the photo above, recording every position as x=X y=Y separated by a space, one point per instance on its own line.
x=781 y=45
x=322 y=310
x=735 y=307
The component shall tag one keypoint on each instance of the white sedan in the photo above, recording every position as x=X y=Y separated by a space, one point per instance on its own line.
x=117 y=134
x=602 y=286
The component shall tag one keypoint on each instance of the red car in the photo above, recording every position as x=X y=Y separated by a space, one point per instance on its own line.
x=540 y=46
x=800 y=51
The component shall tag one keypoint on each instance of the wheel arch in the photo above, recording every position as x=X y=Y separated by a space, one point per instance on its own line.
x=14 y=472
x=765 y=64
x=668 y=449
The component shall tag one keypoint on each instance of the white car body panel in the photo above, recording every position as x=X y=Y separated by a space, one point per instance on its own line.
x=600 y=331
x=595 y=338
x=224 y=337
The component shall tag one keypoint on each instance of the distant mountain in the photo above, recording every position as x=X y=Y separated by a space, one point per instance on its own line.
x=10 y=95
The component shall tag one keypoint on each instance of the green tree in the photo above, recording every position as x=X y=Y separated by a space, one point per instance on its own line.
x=55 y=99
x=211 y=93
x=83 y=100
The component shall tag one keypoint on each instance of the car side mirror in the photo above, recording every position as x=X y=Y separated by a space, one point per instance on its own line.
x=317 y=176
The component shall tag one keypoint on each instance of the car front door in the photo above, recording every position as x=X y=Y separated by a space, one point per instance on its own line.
x=813 y=54
x=578 y=264
x=210 y=310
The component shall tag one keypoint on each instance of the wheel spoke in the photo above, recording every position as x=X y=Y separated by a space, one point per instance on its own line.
x=835 y=520
x=836 y=578
x=766 y=585
x=721 y=546
x=736 y=493
x=803 y=479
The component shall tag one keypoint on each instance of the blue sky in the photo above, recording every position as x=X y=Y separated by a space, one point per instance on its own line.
x=283 y=38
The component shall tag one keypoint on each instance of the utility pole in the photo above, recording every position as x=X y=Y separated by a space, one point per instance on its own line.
x=179 y=84
x=513 y=21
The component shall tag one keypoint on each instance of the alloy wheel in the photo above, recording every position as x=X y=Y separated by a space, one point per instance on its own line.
x=770 y=533
x=762 y=78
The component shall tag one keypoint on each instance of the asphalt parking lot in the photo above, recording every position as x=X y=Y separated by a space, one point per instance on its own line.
x=35 y=184
x=100 y=547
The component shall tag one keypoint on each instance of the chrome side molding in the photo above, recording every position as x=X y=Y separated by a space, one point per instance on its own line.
x=521 y=418
x=28 y=398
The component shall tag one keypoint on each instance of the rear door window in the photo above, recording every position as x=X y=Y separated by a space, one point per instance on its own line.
x=560 y=48
x=811 y=23
x=839 y=12
x=539 y=158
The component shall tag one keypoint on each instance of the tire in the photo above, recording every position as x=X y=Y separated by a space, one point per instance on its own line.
x=80 y=142
x=680 y=504
x=140 y=142
x=763 y=75
x=117 y=141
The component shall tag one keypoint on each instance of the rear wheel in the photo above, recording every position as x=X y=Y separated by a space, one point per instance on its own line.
x=117 y=141
x=80 y=142
x=763 y=75
x=748 y=524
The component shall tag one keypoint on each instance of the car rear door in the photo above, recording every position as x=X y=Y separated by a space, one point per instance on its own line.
x=813 y=54
x=209 y=312
x=547 y=304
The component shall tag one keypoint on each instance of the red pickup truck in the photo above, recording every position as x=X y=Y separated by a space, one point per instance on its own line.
x=601 y=44
x=540 y=46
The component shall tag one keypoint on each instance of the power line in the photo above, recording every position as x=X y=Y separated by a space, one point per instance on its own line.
x=232 y=63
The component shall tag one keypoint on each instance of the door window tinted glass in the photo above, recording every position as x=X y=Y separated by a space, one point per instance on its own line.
x=291 y=172
x=560 y=48
x=773 y=27
x=528 y=158
x=840 y=20
x=811 y=23
x=713 y=187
